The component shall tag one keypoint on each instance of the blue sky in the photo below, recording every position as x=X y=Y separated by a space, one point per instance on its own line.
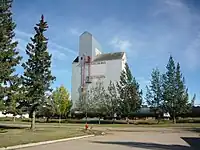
x=148 y=31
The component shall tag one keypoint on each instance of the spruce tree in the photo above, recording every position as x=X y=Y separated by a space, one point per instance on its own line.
x=14 y=97
x=37 y=69
x=9 y=57
x=175 y=93
x=181 y=93
x=154 y=95
x=129 y=92
x=169 y=87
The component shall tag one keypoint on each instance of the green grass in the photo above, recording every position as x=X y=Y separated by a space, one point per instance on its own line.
x=195 y=122
x=150 y=126
x=10 y=137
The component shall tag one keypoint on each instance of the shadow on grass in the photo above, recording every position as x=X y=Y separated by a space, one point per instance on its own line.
x=193 y=142
x=11 y=127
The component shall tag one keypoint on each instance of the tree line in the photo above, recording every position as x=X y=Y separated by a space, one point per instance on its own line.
x=166 y=93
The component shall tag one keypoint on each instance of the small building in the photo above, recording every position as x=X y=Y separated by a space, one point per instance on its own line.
x=92 y=65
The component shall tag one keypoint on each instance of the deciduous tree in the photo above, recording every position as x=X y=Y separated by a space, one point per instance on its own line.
x=61 y=100
x=112 y=100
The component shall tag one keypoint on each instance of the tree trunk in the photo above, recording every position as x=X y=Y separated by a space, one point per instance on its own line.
x=127 y=120
x=174 y=119
x=59 y=119
x=158 y=119
x=86 y=117
x=99 y=120
x=47 y=120
x=13 y=118
x=33 y=121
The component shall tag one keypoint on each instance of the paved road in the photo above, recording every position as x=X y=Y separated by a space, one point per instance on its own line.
x=128 y=141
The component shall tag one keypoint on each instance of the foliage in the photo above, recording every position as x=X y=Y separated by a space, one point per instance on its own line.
x=154 y=94
x=37 y=74
x=175 y=93
x=61 y=101
x=112 y=100
x=130 y=94
x=9 y=57
x=2 y=105
x=99 y=103
x=48 y=109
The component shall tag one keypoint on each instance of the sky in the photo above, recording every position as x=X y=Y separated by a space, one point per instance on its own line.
x=149 y=31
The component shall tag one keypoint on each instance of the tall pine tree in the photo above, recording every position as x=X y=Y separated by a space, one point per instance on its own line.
x=37 y=74
x=182 y=97
x=9 y=57
x=129 y=92
x=154 y=95
x=175 y=92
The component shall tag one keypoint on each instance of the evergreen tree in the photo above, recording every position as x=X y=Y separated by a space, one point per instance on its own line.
x=9 y=56
x=154 y=95
x=48 y=109
x=169 y=87
x=129 y=92
x=14 y=97
x=175 y=92
x=37 y=74
x=181 y=93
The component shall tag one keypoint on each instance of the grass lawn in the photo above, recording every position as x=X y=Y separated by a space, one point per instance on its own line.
x=10 y=137
x=141 y=123
x=150 y=126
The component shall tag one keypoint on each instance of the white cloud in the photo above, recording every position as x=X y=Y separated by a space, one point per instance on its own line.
x=192 y=53
x=23 y=34
x=74 y=31
x=183 y=24
x=54 y=48
x=21 y=44
x=57 y=55
x=120 y=44
x=174 y=3
x=61 y=47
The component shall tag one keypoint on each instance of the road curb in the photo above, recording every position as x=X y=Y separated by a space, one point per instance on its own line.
x=44 y=142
